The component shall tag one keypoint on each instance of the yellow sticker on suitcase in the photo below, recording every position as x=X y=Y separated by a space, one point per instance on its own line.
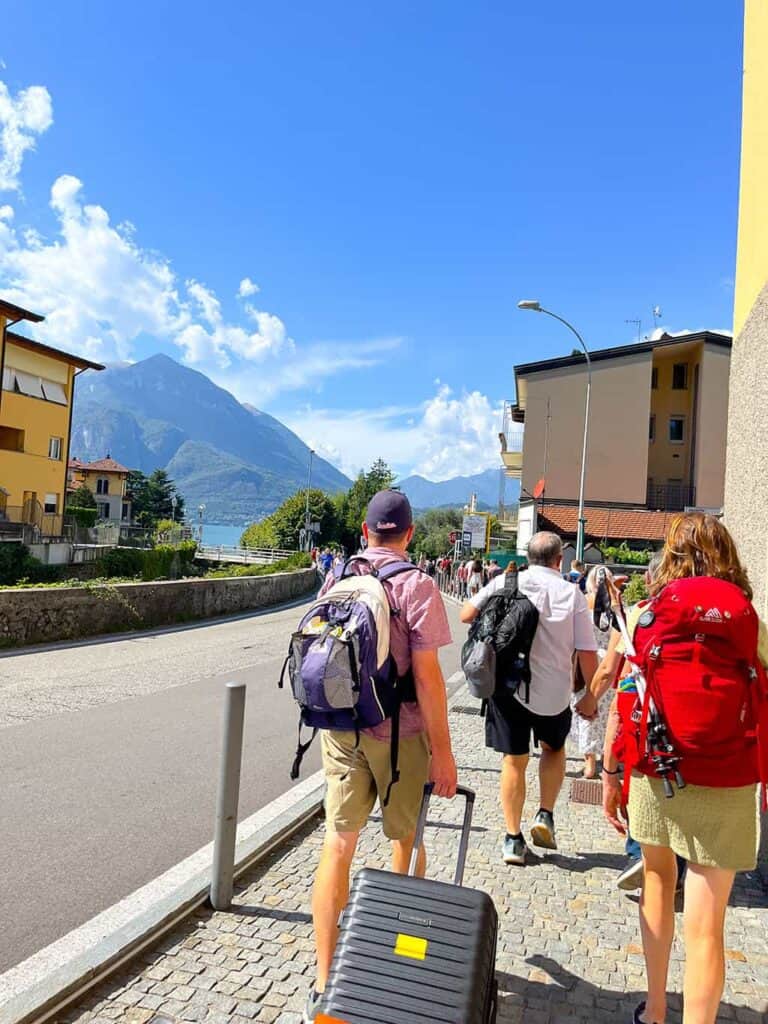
x=411 y=946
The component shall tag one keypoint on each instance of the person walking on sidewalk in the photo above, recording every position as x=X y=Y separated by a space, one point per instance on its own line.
x=357 y=772
x=702 y=651
x=565 y=627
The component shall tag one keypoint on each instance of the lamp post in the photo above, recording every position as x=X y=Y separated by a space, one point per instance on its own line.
x=536 y=307
x=200 y=514
x=174 y=502
x=307 y=520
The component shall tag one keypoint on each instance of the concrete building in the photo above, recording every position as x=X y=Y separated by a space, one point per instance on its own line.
x=107 y=480
x=656 y=442
x=36 y=393
x=746 y=487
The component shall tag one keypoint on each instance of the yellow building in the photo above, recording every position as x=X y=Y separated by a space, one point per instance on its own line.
x=746 y=489
x=35 y=421
x=107 y=480
x=752 y=251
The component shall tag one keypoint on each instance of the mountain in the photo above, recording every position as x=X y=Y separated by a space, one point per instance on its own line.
x=240 y=462
x=457 y=491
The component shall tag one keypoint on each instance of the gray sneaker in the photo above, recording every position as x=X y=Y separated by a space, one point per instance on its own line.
x=513 y=851
x=312 y=1008
x=543 y=831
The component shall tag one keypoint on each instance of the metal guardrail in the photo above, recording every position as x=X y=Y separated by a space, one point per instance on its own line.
x=242 y=556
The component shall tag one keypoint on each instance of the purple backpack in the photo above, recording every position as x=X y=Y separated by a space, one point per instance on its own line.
x=341 y=671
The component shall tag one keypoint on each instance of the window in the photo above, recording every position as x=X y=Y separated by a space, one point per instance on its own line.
x=11 y=439
x=125 y=514
x=54 y=392
x=102 y=507
x=677 y=429
x=23 y=383
x=102 y=485
x=51 y=504
x=680 y=376
x=655 y=378
x=54 y=448
x=652 y=427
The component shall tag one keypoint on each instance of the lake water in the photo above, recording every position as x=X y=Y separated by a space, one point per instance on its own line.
x=227 y=536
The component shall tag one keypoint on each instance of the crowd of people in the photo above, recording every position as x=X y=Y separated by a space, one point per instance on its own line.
x=590 y=673
x=460 y=577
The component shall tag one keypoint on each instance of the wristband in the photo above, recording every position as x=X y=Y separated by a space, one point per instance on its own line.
x=607 y=772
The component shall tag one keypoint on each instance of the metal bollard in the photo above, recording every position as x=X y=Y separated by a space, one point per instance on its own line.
x=222 y=878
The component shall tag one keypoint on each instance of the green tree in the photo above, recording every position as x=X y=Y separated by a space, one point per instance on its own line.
x=82 y=497
x=281 y=529
x=152 y=498
x=432 y=529
x=355 y=502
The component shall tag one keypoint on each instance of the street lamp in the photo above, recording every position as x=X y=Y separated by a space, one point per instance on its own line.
x=174 y=503
x=536 y=307
x=307 y=520
x=200 y=514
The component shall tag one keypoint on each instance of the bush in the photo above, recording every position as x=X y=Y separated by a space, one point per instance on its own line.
x=162 y=562
x=17 y=566
x=635 y=590
x=122 y=562
x=624 y=555
x=83 y=516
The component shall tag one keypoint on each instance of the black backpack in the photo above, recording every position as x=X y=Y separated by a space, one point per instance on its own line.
x=509 y=620
x=514 y=639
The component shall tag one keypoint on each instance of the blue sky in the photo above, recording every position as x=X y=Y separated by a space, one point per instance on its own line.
x=392 y=178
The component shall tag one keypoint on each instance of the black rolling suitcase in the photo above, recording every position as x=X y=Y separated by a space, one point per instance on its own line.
x=413 y=950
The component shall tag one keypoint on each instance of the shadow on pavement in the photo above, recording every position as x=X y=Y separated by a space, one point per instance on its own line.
x=584 y=862
x=571 y=995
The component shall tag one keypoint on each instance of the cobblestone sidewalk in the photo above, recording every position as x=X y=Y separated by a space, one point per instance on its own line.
x=569 y=945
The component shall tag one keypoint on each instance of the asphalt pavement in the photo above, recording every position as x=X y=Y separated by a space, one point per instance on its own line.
x=109 y=777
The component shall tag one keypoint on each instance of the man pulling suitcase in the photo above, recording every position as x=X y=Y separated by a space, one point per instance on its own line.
x=342 y=686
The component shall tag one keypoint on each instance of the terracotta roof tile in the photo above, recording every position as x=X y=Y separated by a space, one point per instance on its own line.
x=609 y=523
x=102 y=465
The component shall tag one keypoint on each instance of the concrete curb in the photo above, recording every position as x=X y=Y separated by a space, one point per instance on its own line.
x=56 y=976
x=49 y=981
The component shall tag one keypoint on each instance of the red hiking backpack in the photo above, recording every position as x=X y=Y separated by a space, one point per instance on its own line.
x=696 y=645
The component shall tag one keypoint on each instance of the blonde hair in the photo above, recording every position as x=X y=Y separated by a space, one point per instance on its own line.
x=699 y=545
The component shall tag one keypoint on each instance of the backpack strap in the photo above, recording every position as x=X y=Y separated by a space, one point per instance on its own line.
x=391 y=569
x=394 y=751
x=340 y=572
x=301 y=750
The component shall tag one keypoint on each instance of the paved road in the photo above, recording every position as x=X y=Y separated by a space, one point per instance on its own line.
x=108 y=756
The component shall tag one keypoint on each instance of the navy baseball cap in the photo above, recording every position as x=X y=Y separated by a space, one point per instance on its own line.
x=389 y=513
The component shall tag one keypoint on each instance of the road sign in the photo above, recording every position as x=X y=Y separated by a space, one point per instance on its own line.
x=453 y=536
x=476 y=525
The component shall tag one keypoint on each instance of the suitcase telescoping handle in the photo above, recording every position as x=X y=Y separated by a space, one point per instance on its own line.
x=469 y=796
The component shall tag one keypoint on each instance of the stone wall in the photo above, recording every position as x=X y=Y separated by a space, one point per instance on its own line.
x=68 y=613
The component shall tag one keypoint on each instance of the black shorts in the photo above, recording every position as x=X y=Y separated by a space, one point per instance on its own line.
x=509 y=724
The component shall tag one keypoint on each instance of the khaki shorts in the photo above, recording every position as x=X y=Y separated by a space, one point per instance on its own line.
x=357 y=775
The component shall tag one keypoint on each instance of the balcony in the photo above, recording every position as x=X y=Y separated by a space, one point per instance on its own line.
x=29 y=523
x=670 y=497
x=511 y=442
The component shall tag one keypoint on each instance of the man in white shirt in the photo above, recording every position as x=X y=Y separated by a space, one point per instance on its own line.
x=565 y=628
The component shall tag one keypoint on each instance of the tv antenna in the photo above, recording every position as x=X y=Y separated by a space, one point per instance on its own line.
x=656 y=313
x=638 y=324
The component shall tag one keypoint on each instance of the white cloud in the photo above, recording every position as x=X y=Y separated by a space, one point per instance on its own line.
x=22 y=117
x=247 y=288
x=448 y=435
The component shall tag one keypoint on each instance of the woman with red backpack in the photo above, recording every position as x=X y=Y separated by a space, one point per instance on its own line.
x=694 y=744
